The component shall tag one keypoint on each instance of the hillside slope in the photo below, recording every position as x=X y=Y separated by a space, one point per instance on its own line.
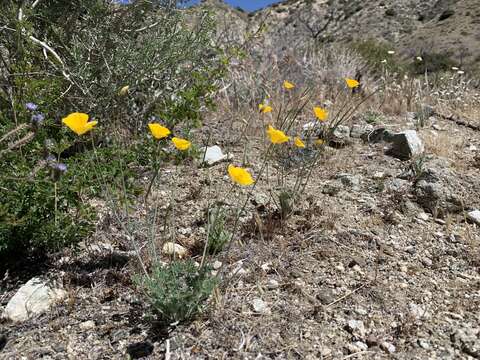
x=413 y=28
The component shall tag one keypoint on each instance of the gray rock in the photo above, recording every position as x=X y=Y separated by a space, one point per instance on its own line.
x=397 y=185
x=474 y=216
x=378 y=135
x=467 y=340
x=356 y=327
x=33 y=298
x=213 y=155
x=342 y=132
x=349 y=180
x=405 y=145
x=359 y=131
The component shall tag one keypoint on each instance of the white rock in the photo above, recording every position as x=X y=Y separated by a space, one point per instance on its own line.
x=212 y=155
x=87 y=325
x=33 y=298
x=388 y=347
x=273 y=284
x=474 y=216
x=356 y=327
x=217 y=264
x=423 y=216
x=170 y=248
x=260 y=306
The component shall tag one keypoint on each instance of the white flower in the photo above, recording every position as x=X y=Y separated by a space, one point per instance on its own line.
x=391 y=52
x=419 y=58
x=454 y=68
x=460 y=72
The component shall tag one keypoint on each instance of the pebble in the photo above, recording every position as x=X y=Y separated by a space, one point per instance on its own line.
x=356 y=327
x=273 y=284
x=474 y=216
x=217 y=264
x=260 y=306
x=388 y=347
x=87 y=325
x=170 y=248
x=423 y=344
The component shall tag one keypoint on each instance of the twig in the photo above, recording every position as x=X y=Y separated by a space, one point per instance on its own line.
x=47 y=48
x=345 y=296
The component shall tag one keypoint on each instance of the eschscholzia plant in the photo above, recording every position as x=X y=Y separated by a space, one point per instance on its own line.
x=78 y=123
x=240 y=175
x=299 y=143
x=352 y=83
x=321 y=114
x=288 y=85
x=181 y=144
x=276 y=136
x=158 y=131
x=265 y=108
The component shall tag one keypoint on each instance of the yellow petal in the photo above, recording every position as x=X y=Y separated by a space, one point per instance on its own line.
x=276 y=136
x=158 y=131
x=77 y=122
x=299 y=143
x=319 y=142
x=320 y=113
x=181 y=144
x=266 y=109
x=240 y=176
x=288 y=85
x=352 y=83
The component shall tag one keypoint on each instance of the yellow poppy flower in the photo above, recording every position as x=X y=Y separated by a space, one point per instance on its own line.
x=78 y=123
x=240 y=175
x=124 y=90
x=181 y=144
x=288 y=85
x=299 y=143
x=320 y=113
x=352 y=83
x=276 y=136
x=265 y=108
x=158 y=131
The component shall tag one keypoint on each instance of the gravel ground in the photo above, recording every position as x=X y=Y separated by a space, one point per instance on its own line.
x=360 y=271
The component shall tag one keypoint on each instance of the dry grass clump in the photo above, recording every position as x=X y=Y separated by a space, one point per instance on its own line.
x=443 y=144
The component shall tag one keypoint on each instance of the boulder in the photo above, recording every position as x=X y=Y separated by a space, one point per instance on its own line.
x=33 y=298
x=405 y=145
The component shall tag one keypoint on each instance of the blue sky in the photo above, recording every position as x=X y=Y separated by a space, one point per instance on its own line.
x=248 y=5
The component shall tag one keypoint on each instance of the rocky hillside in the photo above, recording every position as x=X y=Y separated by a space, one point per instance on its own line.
x=413 y=28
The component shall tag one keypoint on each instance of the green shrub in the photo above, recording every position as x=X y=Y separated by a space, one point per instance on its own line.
x=177 y=291
x=168 y=62
x=375 y=53
x=432 y=63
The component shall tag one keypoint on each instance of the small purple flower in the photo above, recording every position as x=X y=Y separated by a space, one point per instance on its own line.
x=58 y=170
x=51 y=159
x=31 y=106
x=37 y=120
x=61 y=167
